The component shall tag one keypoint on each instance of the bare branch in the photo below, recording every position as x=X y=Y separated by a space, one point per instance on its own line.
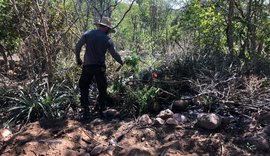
x=124 y=14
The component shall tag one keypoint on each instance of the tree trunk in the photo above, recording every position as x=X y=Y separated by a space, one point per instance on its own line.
x=230 y=38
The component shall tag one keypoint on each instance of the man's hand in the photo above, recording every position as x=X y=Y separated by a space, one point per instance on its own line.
x=79 y=61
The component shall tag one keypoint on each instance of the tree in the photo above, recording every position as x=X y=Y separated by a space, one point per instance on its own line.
x=230 y=38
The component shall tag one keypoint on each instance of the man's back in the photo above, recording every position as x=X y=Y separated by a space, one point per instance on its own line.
x=97 y=43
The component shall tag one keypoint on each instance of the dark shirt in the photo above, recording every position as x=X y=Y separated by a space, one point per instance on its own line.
x=97 y=43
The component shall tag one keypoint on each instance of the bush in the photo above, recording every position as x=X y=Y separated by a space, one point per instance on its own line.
x=35 y=100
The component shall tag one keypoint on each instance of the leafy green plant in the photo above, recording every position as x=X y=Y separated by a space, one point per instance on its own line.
x=146 y=96
x=35 y=100
x=140 y=98
x=132 y=63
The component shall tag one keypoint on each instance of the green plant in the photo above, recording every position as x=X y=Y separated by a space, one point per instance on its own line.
x=141 y=97
x=146 y=96
x=132 y=63
x=35 y=100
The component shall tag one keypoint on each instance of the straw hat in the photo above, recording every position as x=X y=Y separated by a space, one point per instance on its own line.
x=106 y=21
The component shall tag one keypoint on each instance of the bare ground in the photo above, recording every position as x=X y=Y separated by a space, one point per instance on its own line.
x=126 y=136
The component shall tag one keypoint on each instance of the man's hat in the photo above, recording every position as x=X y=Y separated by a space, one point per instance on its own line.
x=107 y=22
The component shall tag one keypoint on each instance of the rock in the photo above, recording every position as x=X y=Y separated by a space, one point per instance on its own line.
x=145 y=120
x=180 y=118
x=159 y=122
x=259 y=141
x=5 y=134
x=180 y=105
x=171 y=122
x=97 y=121
x=209 y=121
x=97 y=150
x=165 y=114
x=111 y=113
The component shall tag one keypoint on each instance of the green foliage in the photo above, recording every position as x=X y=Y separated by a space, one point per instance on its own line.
x=132 y=63
x=8 y=34
x=35 y=100
x=205 y=23
x=138 y=99
x=151 y=27
x=145 y=27
x=146 y=97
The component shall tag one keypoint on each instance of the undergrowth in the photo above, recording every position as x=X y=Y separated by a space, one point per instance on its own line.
x=210 y=79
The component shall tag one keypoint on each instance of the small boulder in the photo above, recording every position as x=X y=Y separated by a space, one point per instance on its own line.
x=111 y=113
x=159 y=122
x=97 y=121
x=5 y=134
x=165 y=114
x=180 y=105
x=180 y=118
x=209 y=121
x=145 y=120
x=171 y=122
x=97 y=150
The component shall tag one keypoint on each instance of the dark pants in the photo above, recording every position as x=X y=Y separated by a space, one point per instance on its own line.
x=88 y=72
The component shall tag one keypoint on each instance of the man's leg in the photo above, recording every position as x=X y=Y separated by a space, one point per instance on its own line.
x=102 y=88
x=84 y=84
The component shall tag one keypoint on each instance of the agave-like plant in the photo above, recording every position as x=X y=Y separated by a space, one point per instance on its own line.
x=24 y=105
x=34 y=101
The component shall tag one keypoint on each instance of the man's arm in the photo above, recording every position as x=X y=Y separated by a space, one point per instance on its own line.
x=114 y=54
x=78 y=48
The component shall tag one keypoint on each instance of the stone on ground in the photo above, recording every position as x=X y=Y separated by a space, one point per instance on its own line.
x=145 y=120
x=180 y=118
x=111 y=113
x=159 y=122
x=209 y=121
x=171 y=122
x=165 y=114
x=180 y=105
x=97 y=150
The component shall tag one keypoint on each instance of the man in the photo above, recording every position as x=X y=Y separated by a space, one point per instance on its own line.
x=97 y=43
